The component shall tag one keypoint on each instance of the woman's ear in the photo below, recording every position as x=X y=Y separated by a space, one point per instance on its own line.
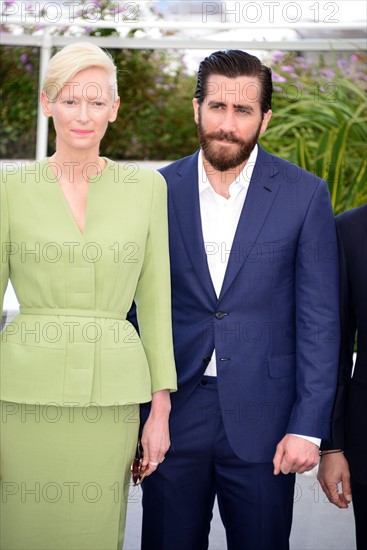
x=45 y=103
x=115 y=108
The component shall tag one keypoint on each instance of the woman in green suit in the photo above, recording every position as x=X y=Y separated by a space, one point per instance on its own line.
x=81 y=238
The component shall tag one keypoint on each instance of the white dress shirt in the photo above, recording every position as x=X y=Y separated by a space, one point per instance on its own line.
x=219 y=220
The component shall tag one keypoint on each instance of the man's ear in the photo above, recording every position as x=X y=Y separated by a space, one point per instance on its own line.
x=196 y=107
x=45 y=104
x=265 y=121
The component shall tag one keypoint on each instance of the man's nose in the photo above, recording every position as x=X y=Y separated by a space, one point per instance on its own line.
x=228 y=122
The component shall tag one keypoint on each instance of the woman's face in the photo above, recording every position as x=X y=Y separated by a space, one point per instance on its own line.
x=82 y=110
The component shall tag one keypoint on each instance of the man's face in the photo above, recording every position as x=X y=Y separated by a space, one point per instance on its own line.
x=230 y=120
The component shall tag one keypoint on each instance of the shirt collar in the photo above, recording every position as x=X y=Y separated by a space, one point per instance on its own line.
x=243 y=178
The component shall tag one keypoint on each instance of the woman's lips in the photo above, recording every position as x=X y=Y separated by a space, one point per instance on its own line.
x=82 y=132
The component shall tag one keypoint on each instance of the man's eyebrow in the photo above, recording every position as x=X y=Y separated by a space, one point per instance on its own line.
x=218 y=103
x=248 y=108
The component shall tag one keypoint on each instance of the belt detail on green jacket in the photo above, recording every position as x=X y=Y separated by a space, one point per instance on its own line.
x=73 y=312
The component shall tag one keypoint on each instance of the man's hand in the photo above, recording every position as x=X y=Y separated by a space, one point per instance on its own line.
x=334 y=469
x=296 y=455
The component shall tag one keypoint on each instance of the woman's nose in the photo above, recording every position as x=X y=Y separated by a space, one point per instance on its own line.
x=83 y=113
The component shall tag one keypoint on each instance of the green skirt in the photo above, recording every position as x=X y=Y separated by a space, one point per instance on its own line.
x=65 y=475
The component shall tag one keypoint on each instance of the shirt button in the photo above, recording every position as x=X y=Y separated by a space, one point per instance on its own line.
x=220 y=314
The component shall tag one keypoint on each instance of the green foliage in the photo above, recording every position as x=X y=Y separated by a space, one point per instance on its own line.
x=18 y=101
x=319 y=123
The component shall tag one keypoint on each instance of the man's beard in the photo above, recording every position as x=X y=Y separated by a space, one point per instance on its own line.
x=221 y=158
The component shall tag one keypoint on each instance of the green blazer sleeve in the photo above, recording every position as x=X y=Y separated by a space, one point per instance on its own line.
x=153 y=294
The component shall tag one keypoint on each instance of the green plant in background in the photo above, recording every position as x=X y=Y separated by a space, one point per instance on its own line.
x=319 y=122
x=18 y=101
x=155 y=119
x=319 y=106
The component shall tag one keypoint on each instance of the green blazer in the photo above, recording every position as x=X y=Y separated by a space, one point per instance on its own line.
x=71 y=343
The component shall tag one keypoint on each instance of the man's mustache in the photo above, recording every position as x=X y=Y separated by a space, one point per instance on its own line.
x=223 y=135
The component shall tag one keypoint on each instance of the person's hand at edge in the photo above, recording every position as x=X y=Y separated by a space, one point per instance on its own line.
x=334 y=469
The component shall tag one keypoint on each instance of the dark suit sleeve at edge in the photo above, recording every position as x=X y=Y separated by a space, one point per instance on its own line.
x=348 y=333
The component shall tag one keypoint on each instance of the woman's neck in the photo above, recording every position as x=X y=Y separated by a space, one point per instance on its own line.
x=76 y=168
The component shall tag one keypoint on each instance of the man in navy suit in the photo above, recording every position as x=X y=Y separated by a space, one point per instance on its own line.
x=255 y=323
x=344 y=455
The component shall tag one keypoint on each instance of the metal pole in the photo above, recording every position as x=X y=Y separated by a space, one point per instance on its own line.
x=42 y=121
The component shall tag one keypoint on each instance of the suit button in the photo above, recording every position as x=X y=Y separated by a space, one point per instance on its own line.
x=220 y=314
x=225 y=359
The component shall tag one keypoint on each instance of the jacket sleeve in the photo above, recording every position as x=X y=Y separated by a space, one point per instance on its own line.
x=317 y=318
x=153 y=294
x=348 y=333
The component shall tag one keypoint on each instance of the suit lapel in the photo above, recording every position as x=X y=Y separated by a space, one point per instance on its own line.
x=260 y=197
x=185 y=198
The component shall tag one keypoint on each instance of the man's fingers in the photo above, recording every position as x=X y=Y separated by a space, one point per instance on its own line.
x=278 y=459
x=283 y=463
x=295 y=454
x=300 y=467
x=286 y=465
x=292 y=463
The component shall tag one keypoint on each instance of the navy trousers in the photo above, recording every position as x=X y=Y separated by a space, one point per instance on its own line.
x=359 y=494
x=255 y=506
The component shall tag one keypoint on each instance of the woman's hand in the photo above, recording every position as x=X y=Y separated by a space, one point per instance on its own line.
x=155 y=438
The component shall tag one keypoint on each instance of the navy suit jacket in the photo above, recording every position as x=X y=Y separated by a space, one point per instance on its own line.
x=275 y=325
x=349 y=419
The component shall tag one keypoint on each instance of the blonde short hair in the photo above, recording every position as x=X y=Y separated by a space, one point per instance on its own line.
x=72 y=59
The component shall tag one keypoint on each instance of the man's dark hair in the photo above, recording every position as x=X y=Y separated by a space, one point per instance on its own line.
x=234 y=63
